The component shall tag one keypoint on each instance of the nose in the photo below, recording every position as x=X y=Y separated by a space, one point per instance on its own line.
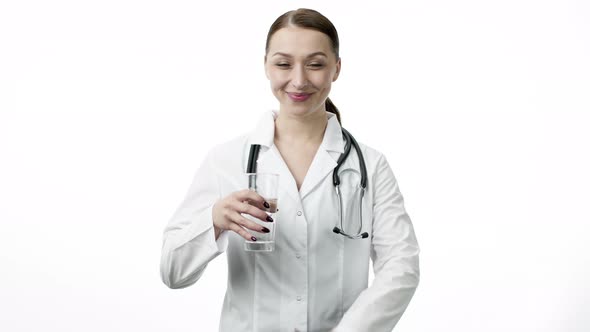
x=299 y=78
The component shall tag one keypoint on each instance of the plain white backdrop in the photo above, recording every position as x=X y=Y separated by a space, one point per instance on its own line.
x=107 y=108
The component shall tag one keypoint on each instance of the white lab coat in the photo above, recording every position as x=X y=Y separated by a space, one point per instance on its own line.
x=315 y=280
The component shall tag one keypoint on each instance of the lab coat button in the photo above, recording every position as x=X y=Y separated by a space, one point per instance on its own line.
x=298 y=255
x=298 y=298
x=299 y=213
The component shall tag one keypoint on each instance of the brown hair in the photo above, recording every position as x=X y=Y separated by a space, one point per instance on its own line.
x=309 y=19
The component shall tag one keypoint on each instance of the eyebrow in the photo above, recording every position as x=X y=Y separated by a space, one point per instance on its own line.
x=309 y=56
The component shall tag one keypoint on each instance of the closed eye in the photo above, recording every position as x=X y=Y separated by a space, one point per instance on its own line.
x=286 y=65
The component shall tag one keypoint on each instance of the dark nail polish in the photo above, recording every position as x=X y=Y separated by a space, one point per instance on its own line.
x=265 y=230
x=253 y=238
x=266 y=205
x=269 y=219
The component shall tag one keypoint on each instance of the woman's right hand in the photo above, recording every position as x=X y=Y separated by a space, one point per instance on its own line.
x=226 y=213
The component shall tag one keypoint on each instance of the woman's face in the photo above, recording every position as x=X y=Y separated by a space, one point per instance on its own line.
x=301 y=67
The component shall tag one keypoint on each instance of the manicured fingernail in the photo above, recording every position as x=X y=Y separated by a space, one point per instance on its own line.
x=266 y=205
x=269 y=219
x=265 y=230
x=253 y=238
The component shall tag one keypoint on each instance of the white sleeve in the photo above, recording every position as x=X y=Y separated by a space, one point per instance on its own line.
x=189 y=238
x=394 y=252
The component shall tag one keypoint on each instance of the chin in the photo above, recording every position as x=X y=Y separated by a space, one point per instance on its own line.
x=297 y=109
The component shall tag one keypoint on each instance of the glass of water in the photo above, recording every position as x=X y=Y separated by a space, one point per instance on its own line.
x=267 y=186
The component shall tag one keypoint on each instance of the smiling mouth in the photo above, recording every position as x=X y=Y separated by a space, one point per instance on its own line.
x=298 y=96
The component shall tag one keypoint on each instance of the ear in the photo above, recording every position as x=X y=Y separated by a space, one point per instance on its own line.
x=338 y=65
x=266 y=68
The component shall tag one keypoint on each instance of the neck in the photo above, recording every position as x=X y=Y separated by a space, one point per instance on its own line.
x=301 y=130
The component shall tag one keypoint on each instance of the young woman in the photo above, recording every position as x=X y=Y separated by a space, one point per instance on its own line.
x=316 y=279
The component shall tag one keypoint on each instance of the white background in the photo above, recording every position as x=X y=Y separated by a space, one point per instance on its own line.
x=107 y=108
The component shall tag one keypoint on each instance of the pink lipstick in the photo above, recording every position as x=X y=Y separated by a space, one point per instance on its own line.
x=298 y=96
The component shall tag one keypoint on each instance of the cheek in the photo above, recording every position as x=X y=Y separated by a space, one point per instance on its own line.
x=323 y=79
x=277 y=80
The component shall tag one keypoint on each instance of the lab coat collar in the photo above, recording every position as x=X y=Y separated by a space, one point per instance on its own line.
x=264 y=132
x=325 y=160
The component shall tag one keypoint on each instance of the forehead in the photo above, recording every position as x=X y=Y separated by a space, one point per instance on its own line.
x=299 y=41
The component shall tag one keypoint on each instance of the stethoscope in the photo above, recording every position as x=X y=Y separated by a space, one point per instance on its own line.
x=349 y=142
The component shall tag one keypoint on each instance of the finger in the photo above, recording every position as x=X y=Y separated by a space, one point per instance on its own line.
x=249 y=224
x=252 y=197
x=255 y=203
x=241 y=232
x=253 y=211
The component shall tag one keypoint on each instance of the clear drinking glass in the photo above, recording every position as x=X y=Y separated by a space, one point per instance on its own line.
x=267 y=186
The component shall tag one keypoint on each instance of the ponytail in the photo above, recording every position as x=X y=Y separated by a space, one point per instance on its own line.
x=330 y=107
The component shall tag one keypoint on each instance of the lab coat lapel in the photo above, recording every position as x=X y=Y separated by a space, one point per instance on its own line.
x=272 y=162
x=322 y=165
x=326 y=157
x=269 y=158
